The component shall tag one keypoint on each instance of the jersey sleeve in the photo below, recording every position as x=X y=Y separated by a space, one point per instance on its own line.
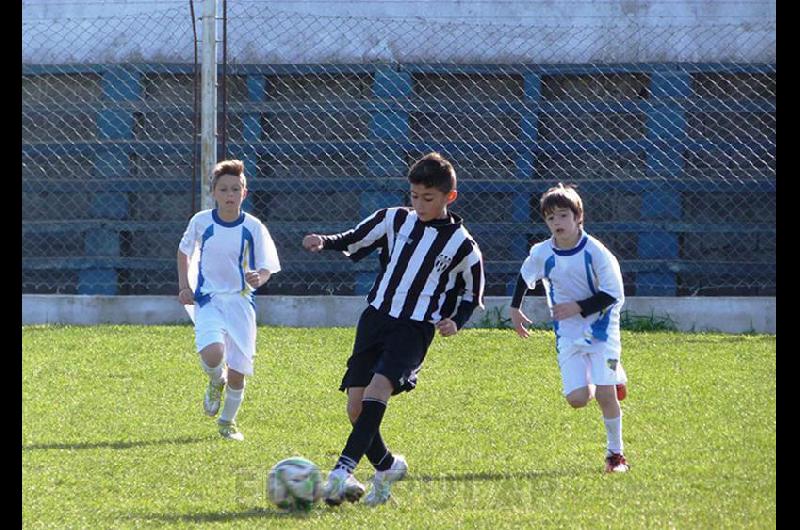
x=190 y=236
x=362 y=239
x=609 y=275
x=532 y=269
x=474 y=278
x=266 y=255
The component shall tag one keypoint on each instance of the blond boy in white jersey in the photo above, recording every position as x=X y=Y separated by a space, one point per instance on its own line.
x=235 y=256
x=584 y=292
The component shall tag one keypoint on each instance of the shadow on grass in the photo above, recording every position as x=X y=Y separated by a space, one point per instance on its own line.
x=491 y=476
x=219 y=517
x=117 y=445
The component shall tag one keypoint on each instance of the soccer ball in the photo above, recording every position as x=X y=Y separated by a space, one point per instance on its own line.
x=294 y=484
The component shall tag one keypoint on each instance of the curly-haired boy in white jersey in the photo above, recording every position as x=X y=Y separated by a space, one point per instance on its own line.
x=235 y=255
x=584 y=291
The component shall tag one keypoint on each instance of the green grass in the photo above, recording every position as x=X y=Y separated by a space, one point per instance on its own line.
x=114 y=435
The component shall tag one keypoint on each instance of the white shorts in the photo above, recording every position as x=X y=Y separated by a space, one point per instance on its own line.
x=595 y=364
x=228 y=319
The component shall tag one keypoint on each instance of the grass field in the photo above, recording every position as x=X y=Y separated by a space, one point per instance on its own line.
x=114 y=434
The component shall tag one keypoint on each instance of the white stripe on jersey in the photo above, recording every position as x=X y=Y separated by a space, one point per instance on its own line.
x=389 y=222
x=468 y=279
x=373 y=235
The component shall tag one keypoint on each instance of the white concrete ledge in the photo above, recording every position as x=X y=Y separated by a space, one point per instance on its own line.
x=725 y=314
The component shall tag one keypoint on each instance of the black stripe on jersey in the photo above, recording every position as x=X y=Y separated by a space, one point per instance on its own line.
x=402 y=262
x=400 y=216
x=383 y=260
x=449 y=304
x=463 y=251
x=443 y=236
x=361 y=253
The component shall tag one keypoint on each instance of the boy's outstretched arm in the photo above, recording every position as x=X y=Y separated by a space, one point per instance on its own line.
x=313 y=242
x=355 y=243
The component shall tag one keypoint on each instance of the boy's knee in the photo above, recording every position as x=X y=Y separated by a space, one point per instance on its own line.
x=579 y=398
x=577 y=403
x=213 y=354
x=353 y=410
x=606 y=395
x=235 y=379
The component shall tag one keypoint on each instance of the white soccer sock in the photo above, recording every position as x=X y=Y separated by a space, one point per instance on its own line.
x=214 y=373
x=614 y=433
x=233 y=400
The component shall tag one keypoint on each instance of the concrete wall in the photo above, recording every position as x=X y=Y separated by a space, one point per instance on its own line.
x=291 y=31
x=725 y=314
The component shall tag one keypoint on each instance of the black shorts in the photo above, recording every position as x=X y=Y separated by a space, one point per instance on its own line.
x=392 y=347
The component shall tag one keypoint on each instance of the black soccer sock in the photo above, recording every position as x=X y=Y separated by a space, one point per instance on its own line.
x=378 y=454
x=363 y=434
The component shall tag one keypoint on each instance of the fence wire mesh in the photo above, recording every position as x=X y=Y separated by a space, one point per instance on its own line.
x=675 y=160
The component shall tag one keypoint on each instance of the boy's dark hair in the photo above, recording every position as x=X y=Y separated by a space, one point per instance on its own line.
x=562 y=196
x=433 y=171
x=228 y=167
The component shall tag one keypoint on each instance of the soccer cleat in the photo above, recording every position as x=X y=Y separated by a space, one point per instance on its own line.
x=616 y=463
x=229 y=431
x=213 y=398
x=622 y=391
x=342 y=486
x=383 y=480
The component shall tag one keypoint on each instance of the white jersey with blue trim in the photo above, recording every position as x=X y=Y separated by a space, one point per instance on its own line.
x=571 y=275
x=222 y=252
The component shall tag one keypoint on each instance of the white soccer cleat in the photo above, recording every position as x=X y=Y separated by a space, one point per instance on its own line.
x=229 y=431
x=342 y=486
x=383 y=480
x=213 y=398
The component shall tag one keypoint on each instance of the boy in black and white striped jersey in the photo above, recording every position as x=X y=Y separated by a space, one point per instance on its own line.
x=431 y=277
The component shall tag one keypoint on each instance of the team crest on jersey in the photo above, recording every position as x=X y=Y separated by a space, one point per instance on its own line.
x=612 y=364
x=442 y=262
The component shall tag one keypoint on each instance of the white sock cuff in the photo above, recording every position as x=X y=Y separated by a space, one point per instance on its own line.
x=234 y=393
x=206 y=367
x=215 y=372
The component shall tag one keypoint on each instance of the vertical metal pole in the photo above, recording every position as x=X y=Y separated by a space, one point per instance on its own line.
x=195 y=114
x=208 y=141
x=224 y=148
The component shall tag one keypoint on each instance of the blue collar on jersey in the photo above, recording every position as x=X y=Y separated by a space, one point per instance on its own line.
x=572 y=251
x=228 y=224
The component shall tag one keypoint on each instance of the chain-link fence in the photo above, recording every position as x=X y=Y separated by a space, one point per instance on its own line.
x=675 y=159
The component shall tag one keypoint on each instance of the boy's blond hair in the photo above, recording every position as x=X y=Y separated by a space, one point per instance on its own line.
x=561 y=196
x=228 y=167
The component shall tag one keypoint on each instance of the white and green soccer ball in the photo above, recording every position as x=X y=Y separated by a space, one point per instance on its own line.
x=294 y=484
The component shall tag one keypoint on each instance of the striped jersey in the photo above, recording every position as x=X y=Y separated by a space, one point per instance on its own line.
x=225 y=251
x=425 y=267
x=570 y=275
